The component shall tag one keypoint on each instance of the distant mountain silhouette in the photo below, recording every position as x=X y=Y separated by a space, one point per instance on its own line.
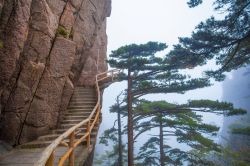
x=237 y=91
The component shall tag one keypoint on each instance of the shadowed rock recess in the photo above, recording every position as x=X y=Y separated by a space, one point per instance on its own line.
x=48 y=47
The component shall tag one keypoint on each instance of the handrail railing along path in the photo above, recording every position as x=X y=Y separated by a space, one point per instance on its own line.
x=48 y=155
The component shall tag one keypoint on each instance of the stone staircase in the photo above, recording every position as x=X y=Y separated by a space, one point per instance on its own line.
x=80 y=107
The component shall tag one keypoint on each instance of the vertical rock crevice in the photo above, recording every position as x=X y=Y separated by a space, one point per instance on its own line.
x=52 y=62
x=29 y=124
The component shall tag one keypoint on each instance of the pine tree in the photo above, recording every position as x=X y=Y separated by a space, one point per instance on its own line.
x=114 y=134
x=226 y=40
x=182 y=122
x=147 y=73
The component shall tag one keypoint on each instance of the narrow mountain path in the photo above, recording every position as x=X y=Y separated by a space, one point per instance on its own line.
x=80 y=107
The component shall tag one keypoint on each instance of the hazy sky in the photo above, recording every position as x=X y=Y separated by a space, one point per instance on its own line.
x=139 y=21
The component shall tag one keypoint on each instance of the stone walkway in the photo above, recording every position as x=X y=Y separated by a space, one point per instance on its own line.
x=27 y=157
x=80 y=107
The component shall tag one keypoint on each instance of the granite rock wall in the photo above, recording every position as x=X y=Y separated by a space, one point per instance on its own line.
x=48 y=48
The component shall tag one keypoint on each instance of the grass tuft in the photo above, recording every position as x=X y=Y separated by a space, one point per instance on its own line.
x=62 y=31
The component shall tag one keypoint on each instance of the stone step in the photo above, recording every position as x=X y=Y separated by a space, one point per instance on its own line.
x=77 y=114
x=84 y=111
x=92 y=103
x=60 y=131
x=79 y=106
x=52 y=137
x=87 y=109
x=84 y=89
x=82 y=103
x=89 y=106
x=75 y=117
x=69 y=125
x=42 y=144
x=84 y=93
x=66 y=121
x=93 y=94
x=83 y=96
x=83 y=108
x=83 y=99
x=71 y=121
x=35 y=144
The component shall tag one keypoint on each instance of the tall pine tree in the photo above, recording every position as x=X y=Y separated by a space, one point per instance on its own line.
x=147 y=73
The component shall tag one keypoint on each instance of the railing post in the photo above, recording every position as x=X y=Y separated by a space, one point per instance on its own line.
x=98 y=112
x=88 y=137
x=112 y=74
x=51 y=159
x=71 y=145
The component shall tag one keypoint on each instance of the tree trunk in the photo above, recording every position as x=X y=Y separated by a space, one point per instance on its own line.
x=119 y=138
x=161 y=143
x=130 y=122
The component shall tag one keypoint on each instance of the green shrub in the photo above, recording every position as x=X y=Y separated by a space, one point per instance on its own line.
x=62 y=31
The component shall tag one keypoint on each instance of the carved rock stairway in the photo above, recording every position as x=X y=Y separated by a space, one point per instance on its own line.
x=80 y=107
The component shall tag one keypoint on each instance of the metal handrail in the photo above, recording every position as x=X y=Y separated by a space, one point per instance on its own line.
x=48 y=155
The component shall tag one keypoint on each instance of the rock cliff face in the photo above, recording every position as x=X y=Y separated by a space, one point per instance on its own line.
x=47 y=47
